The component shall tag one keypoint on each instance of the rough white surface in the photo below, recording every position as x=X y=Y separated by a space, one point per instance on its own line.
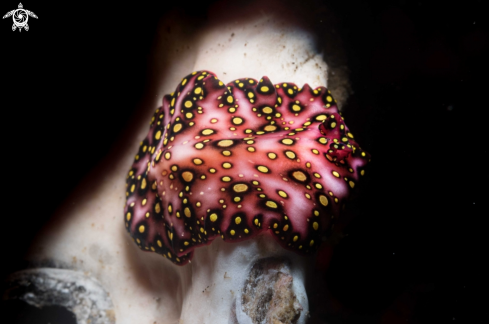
x=81 y=294
x=295 y=52
x=218 y=272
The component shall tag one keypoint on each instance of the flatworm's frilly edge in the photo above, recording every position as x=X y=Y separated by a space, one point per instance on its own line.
x=239 y=159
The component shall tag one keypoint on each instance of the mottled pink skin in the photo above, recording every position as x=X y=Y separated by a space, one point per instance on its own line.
x=305 y=151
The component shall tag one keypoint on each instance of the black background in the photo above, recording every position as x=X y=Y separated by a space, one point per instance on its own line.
x=415 y=252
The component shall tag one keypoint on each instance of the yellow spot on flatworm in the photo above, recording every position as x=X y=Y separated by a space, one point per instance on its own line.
x=159 y=243
x=271 y=204
x=229 y=99
x=213 y=217
x=227 y=165
x=296 y=108
x=272 y=156
x=141 y=229
x=144 y=201
x=207 y=131
x=226 y=179
x=287 y=141
x=199 y=146
x=267 y=110
x=286 y=227
x=187 y=176
x=352 y=184
x=128 y=217
x=225 y=143
x=177 y=128
x=311 y=243
x=187 y=212
x=256 y=221
x=198 y=90
x=299 y=175
x=282 y=194
x=240 y=187
x=198 y=161
x=329 y=98
x=232 y=232
x=158 y=135
x=188 y=104
x=295 y=238
x=246 y=231
x=167 y=155
x=336 y=174
x=157 y=207
x=237 y=120
x=237 y=220
x=262 y=168
x=264 y=89
x=315 y=225
x=323 y=200
x=290 y=154
x=333 y=124
x=143 y=183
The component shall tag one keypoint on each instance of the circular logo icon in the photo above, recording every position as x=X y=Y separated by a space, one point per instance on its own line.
x=20 y=18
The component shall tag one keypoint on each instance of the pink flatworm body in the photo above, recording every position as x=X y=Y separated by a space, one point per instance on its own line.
x=235 y=160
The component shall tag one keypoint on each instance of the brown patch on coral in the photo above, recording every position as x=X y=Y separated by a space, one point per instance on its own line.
x=267 y=295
